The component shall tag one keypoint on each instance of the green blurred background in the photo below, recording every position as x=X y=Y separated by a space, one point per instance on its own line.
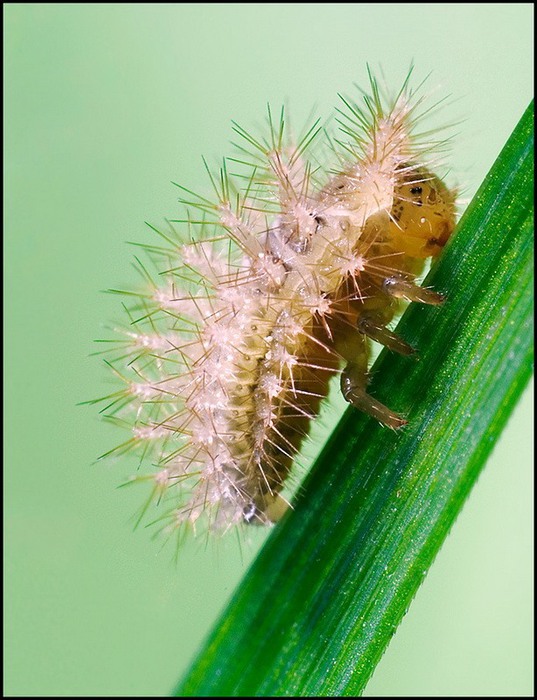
x=104 y=106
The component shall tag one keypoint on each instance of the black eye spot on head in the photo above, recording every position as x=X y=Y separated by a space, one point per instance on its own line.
x=416 y=190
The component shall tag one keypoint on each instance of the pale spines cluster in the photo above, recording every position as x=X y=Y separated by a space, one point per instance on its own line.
x=230 y=354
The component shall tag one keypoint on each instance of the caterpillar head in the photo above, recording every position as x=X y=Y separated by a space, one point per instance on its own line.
x=422 y=215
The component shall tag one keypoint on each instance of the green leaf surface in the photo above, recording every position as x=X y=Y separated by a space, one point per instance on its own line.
x=320 y=604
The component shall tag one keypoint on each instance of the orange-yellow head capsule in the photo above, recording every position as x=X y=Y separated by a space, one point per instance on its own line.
x=423 y=214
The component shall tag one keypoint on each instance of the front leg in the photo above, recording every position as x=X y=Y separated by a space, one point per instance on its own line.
x=402 y=288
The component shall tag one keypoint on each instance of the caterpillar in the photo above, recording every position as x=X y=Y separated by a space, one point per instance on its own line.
x=282 y=281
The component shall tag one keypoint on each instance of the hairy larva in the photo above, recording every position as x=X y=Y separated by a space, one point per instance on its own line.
x=303 y=257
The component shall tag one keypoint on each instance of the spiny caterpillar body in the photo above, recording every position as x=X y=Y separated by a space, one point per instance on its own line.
x=301 y=260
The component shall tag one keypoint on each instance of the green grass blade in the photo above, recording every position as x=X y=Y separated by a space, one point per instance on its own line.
x=320 y=604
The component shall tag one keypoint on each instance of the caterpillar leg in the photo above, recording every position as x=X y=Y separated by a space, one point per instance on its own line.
x=353 y=381
x=376 y=330
x=402 y=288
